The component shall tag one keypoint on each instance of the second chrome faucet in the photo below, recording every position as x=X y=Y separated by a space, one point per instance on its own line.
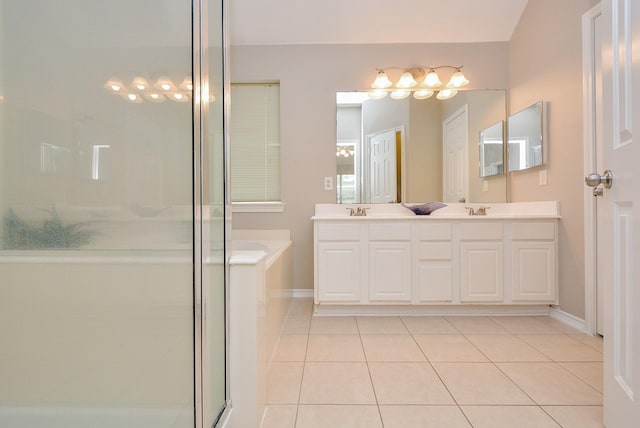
x=482 y=210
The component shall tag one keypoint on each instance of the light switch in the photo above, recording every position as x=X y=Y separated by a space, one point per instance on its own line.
x=485 y=185
x=542 y=177
x=328 y=183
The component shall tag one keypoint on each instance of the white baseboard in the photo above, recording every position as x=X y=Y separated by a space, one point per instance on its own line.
x=568 y=319
x=431 y=310
x=302 y=293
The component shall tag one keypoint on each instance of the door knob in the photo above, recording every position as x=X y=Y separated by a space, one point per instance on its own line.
x=594 y=179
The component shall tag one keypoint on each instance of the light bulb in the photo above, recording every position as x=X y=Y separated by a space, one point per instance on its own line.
x=132 y=98
x=187 y=84
x=164 y=83
x=432 y=80
x=178 y=97
x=406 y=81
x=140 y=83
x=382 y=81
x=155 y=97
x=457 y=80
x=378 y=94
x=422 y=94
x=114 y=85
x=400 y=94
x=445 y=94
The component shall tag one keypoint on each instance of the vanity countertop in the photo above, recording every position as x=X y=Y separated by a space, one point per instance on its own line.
x=454 y=211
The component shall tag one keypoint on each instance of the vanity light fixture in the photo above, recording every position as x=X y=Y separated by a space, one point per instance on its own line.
x=445 y=94
x=423 y=81
x=344 y=151
x=400 y=94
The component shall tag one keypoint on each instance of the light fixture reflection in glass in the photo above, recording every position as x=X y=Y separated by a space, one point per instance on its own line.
x=457 y=80
x=406 y=81
x=378 y=94
x=114 y=85
x=181 y=98
x=132 y=98
x=400 y=94
x=422 y=94
x=445 y=94
x=382 y=81
x=155 y=97
x=164 y=83
x=187 y=84
x=140 y=83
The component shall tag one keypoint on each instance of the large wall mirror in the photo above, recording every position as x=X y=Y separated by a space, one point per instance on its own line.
x=525 y=129
x=415 y=151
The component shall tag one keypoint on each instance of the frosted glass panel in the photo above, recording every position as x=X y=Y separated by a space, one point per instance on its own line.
x=96 y=229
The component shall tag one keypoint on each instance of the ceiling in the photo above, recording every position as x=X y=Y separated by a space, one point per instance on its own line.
x=269 y=22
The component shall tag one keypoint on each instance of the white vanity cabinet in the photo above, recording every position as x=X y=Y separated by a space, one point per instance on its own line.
x=481 y=262
x=389 y=262
x=338 y=262
x=400 y=262
x=533 y=252
x=434 y=263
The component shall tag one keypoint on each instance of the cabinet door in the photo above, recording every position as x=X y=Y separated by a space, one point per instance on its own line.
x=534 y=271
x=339 y=271
x=481 y=272
x=435 y=272
x=390 y=271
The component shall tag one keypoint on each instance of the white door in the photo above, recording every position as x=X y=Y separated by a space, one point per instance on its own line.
x=382 y=167
x=620 y=213
x=454 y=157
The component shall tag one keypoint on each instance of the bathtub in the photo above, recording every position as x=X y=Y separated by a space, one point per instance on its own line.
x=128 y=313
x=260 y=290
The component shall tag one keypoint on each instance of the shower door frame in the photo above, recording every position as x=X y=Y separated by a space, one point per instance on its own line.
x=200 y=48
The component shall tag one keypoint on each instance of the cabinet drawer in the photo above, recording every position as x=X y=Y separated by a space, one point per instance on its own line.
x=390 y=232
x=481 y=231
x=435 y=251
x=434 y=232
x=534 y=231
x=339 y=232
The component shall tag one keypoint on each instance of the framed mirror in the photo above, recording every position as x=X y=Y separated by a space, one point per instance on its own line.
x=427 y=149
x=492 y=150
x=525 y=140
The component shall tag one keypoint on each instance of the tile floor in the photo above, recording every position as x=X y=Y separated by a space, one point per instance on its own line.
x=405 y=372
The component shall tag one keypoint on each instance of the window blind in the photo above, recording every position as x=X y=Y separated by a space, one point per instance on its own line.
x=255 y=142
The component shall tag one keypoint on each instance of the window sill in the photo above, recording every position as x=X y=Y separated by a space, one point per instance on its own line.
x=257 y=207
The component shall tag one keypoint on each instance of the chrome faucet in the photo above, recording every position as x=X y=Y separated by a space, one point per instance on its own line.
x=358 y=212
x=482 y=210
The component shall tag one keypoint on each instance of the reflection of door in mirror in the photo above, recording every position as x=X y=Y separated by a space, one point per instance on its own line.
x=419 y=155
x=383 y=183
x=454 y=150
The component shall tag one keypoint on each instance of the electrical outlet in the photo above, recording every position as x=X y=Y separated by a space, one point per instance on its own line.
x=328 y=183
x=542 y=177
x=485 y=185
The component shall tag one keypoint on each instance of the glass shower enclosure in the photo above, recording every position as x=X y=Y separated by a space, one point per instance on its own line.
x=112 y=213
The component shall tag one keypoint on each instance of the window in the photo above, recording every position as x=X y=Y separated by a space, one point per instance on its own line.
x=255 y=143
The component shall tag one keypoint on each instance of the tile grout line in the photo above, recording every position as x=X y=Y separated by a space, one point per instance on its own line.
x=366 y=361
x=304 y=365
x=436 y=372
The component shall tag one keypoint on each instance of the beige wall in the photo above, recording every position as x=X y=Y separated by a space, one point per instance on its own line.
x=545 y=63
x=309 y=78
